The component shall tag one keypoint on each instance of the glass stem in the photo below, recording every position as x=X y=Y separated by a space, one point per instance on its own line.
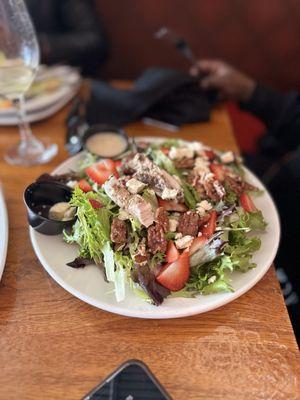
x=25 y=130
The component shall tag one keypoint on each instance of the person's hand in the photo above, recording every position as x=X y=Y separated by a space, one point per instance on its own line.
x=228 y=81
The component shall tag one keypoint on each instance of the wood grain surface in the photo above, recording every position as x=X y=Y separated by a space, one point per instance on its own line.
x=54 y=346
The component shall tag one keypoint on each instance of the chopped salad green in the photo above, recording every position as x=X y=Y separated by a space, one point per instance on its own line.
x=191 y=201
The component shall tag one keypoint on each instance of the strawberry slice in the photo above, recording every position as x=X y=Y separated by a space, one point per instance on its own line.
x=211 y=155
x=165 y=150
x=95 y=204
x=198 y=242
x=247 y=203
x=118 y=164
x=107 y=164
x=99 y=176
x=218 y=170
x=210 y=227
x=172 y=252
x=172 y=205
x=175 y=275
x=85 y=186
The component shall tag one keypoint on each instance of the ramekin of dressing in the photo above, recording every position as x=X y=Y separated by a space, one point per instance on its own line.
x=105 y=141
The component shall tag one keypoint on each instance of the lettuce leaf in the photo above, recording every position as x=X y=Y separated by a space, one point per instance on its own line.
x=211 y=277
x=123 y=267
x=167 y=144
x=171 y=143
x=158 y=258
x=170 y=235
x=88 y=160
x=92 y=227
x=164 y=162
x=189 y=196
x=240 y=248
x=255 y=221
x=250 y=221
x=136 y=226
x=109 y=263
x=230 y=197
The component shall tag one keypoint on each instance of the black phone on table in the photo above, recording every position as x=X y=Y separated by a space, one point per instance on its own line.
x=133 y=380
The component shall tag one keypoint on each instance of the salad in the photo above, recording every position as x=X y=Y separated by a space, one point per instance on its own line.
x=167 y=219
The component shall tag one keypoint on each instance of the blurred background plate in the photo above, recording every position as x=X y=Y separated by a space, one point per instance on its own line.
x=3 y=231
x=51 y=90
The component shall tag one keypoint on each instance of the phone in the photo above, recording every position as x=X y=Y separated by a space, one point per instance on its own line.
x=133 y=380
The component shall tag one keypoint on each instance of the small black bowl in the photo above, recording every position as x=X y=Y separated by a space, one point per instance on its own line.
x=103 y=128
x=38 y=198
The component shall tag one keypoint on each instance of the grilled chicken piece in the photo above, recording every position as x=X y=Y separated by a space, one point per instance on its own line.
x=134 y=204
x=164 y=184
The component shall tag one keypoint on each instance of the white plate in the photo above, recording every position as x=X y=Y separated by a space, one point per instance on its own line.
x=88 y=284
x=3 y=232
x=46 y=104
x=40 y=114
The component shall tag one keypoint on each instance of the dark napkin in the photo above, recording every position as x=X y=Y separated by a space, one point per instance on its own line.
x=164 y=94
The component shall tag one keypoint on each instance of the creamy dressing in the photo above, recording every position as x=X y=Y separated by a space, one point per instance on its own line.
x=106 y=144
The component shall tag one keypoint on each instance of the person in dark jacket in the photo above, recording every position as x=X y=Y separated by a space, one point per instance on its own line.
x=277 y=161
x=69 y=31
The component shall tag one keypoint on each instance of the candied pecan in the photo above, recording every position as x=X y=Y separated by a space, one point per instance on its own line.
x=156 y=239
x=139 y=259
x=188 y=223
x=185 y=163
x=209 y=187
x=161 y=218
x=214 y=190
x=118 y=231
x=203 y=220
x=141 y=256
x=237 y=185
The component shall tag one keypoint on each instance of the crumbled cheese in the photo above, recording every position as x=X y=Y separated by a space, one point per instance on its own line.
x=72 y=184
x=197 y=147
x=227 y=157
x=203 y=206
x=206 y=177
x=173 y=223
x=181 y=152
x=219 y=189
x=135 y=186
x=201 y=165
x=169 y=194
x=178 y=235
x=212 y=279
x=184 y=242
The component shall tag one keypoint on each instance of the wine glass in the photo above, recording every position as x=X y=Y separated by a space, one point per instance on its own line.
x=19 y=60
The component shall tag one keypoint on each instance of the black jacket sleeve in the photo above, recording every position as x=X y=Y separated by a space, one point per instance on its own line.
x=281 y=114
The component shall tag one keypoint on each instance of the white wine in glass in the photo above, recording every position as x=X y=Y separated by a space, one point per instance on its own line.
x=19 y=61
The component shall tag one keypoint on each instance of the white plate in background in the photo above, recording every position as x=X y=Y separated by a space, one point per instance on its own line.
x=40 y=114
x=88 y=284
x=3 y=231
x=47 y=103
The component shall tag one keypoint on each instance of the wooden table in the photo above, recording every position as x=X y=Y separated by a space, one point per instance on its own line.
x=54 y=346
